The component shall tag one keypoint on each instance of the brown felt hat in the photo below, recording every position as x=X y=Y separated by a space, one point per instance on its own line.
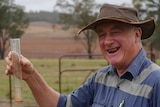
x=123 y=14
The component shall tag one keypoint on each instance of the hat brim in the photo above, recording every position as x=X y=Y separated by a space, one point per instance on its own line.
x=147 y=26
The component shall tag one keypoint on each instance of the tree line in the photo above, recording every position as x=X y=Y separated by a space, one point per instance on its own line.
x=51 y=17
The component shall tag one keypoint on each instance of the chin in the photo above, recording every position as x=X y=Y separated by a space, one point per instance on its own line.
x=113 y=63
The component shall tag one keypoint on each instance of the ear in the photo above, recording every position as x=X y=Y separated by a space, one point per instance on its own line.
x=138 y=34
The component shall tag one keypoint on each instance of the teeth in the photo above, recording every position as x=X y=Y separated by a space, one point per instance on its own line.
x=112 y=50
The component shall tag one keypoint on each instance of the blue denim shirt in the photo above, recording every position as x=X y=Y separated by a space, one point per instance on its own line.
x=138 y=87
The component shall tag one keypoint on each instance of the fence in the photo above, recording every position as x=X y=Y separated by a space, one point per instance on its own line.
x=76 y=73
x=73 y=70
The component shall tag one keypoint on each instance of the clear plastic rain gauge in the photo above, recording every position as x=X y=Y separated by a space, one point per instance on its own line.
x=15 y=47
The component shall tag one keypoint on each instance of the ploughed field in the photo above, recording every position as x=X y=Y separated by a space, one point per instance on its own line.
x=42 y=40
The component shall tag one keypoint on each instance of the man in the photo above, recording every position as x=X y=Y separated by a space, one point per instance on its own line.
x=131 y=79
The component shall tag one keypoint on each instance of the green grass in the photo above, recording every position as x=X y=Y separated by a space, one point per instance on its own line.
x=158 y=61
x=49 y=69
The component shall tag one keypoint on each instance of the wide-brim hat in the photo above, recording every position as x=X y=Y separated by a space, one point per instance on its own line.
x=127 y=15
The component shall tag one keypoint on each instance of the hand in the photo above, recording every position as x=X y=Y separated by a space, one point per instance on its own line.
x=13 y=61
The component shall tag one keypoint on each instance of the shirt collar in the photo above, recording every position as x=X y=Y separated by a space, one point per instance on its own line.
x=135 y=66
x=137 y=63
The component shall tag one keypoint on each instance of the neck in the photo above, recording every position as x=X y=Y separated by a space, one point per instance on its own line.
x=121 y=72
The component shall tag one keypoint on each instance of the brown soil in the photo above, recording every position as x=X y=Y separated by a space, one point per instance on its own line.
x=41 y=40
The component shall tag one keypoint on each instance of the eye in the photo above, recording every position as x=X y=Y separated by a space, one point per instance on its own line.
x=116 y=32
x=102 y=34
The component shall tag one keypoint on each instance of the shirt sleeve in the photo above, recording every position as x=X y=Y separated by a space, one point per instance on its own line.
x=155 y=98
x=62 y=101
x=82 y=97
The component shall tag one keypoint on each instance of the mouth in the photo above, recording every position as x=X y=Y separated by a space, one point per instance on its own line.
x=113 y=50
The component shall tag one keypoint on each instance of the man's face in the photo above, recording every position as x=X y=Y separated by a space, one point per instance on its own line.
x=119 y=43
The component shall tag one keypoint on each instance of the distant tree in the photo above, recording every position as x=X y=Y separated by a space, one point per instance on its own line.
x=12 y=25
x=80 y=13
x=150 y=8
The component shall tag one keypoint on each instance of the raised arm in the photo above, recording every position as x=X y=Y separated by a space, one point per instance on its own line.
x=43 y=93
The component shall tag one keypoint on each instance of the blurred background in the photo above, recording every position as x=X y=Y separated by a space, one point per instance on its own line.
x=48 y=31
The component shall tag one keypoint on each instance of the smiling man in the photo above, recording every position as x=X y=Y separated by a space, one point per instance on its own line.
x=116 y=39
x=131 y=79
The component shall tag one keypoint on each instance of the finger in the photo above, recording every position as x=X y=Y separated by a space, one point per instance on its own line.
x=24 y=61
x=26 y=65
x=8 y=60
x=8 y=70
x=8 y=73
x=10 y=55
x=9 y=64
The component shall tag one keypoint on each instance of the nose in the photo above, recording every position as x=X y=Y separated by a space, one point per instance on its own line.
x=108 y=40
